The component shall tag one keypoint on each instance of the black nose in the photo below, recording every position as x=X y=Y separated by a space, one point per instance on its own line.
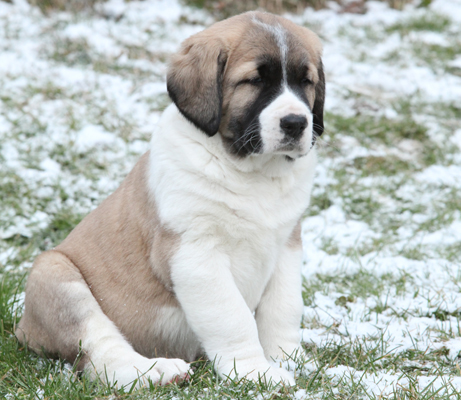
x=293 y=125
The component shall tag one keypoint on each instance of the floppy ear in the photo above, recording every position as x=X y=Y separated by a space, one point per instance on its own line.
x=319 y=102
x=195 y=79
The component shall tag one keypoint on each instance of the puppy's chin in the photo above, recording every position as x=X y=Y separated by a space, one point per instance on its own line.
x=292 y=151
x=294 y=156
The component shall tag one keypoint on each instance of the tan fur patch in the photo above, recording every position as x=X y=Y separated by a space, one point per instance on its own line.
x=40 y=325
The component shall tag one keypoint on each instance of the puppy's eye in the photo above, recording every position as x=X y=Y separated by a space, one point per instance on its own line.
x=256 y=81
x=306 y=81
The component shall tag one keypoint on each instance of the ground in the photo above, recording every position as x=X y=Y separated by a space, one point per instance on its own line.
x=79 y=98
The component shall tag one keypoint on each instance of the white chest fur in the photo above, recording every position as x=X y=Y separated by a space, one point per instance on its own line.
x=247 y=208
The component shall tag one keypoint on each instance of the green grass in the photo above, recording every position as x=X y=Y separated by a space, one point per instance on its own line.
x=415 y=48
x=429 y=21
x=361 y=284
x=435 y=55
x=371 y=130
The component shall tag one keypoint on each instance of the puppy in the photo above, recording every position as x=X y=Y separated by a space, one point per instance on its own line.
x=198 y=252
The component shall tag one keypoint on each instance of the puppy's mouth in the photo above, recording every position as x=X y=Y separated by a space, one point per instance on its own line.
x=292 y=149
x=289 y=144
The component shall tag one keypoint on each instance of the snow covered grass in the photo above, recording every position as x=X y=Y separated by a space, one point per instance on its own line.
x=79 y=97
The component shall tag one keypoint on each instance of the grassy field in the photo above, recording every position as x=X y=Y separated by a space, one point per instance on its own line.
x=80 y=95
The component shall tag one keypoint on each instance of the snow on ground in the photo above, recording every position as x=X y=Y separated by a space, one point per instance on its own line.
x=80 y=95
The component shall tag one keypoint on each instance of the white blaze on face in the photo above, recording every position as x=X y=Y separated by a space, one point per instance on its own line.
x=279 y=34
x=273 y=138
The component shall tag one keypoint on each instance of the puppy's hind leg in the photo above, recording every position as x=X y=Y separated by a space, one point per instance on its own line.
x=61 y=313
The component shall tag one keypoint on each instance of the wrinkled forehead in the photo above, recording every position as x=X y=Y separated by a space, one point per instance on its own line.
x=269 y=39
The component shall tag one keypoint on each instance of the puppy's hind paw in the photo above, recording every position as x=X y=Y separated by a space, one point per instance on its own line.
x=143 y=371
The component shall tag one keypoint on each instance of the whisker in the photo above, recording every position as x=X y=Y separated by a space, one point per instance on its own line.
x=246 y=132
x=324 y=144
x=249 y=140
x=325 y=131
x=248 y=136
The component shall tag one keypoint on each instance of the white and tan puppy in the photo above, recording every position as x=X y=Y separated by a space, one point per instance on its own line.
x=198 y=252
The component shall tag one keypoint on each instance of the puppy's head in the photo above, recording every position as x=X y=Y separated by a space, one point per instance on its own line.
x=257 y=79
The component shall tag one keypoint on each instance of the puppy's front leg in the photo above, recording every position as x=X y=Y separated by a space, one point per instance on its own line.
x=218 y=313
x=279 y=312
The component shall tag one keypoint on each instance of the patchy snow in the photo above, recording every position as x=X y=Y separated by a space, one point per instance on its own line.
x=441 y=175
x=91 y=136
